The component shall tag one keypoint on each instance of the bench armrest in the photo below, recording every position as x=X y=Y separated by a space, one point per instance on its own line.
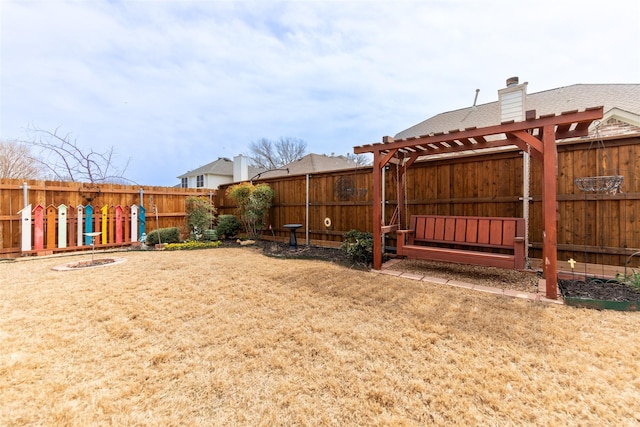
x=404 y=237
x=518 y=239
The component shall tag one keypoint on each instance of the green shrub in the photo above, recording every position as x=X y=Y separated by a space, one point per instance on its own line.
x=228 y=226
x=253 y=202
x=358 y=246
x=167 y=235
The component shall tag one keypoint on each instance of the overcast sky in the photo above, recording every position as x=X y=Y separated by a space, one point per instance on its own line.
x=173 y=85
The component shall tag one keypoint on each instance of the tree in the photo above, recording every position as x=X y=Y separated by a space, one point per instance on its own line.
x=65 y=160
x=267 y=154
x=200 y=213
x=253 y=203
x=360 y=159
x=17 y=161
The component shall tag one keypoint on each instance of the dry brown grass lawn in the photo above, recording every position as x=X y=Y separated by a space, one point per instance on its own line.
x=231 y=337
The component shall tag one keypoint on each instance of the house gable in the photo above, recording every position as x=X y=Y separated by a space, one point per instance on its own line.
x=617 y=122
x=214 y=174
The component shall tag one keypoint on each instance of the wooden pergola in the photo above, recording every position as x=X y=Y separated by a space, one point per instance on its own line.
x=536 y=135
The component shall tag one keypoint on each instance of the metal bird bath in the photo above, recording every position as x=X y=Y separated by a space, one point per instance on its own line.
x=93 y=236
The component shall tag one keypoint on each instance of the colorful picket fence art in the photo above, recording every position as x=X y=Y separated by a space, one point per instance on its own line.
x=53 y=228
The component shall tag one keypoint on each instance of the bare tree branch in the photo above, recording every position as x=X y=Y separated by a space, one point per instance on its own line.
x=267 y=154
x=360 y=159
x=66 y=160
x=290 y=149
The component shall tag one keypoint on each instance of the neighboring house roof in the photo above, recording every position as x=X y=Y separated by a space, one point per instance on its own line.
x=620 y=101
x=312 y=163
x=223 y=166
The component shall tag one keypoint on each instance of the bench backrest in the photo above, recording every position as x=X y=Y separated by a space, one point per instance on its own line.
x=464 y=230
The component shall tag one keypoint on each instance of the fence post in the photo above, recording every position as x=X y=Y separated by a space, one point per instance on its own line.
x=88 y=224
x=25 y=221
x=126 y=218
x=51 y=227
x=72 y=226
x=62 y=226
x=96 y=227
x=134 y=223
x=25 y=193
x=104 y=211
x=112 y=224
x=79 y=224
x=306 y=214
x=38 y=227
x=118 y=224
x=143 y=220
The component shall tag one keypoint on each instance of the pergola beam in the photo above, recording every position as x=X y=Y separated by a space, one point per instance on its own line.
x=579 y=121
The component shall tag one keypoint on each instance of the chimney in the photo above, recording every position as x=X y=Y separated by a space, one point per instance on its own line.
x=240 y=168
x=513 y=81
x=513 y=101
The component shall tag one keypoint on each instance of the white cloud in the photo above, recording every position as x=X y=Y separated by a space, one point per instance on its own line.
x=175 y=84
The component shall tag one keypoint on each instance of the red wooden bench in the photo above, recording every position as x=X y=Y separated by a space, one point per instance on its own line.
x=495 y=242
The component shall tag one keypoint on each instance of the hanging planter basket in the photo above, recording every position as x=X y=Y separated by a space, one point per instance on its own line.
x=606 y=183
x=610 y=184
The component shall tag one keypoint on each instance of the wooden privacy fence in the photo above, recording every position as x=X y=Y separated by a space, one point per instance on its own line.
x=592 y=227
x=327 y=204
x=51 y=216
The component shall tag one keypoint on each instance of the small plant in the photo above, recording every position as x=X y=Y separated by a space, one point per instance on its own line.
x=190 y=245
x=200 y=213
x=632 y=279
x=228 y=226
x=358 y=246
x=167 y=235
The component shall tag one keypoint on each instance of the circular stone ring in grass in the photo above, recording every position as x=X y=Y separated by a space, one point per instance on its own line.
x=91 y=263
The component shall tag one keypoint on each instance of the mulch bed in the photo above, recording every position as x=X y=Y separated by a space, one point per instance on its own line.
x=89 y=263
x=335 y=255
x=599 y=289
x=281 y=250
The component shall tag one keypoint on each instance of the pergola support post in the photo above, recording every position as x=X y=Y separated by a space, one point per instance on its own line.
x=377 y=210
x=550 y=212
x=401 y=200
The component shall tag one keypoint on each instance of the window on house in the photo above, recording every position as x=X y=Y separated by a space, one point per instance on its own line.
x=185 y=183
x=200 y=181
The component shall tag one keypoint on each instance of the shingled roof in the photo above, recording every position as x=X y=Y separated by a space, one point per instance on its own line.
x=312 y=163
x=621 y=100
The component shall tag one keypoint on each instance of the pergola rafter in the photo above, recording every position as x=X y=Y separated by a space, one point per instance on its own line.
x=535 y=135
